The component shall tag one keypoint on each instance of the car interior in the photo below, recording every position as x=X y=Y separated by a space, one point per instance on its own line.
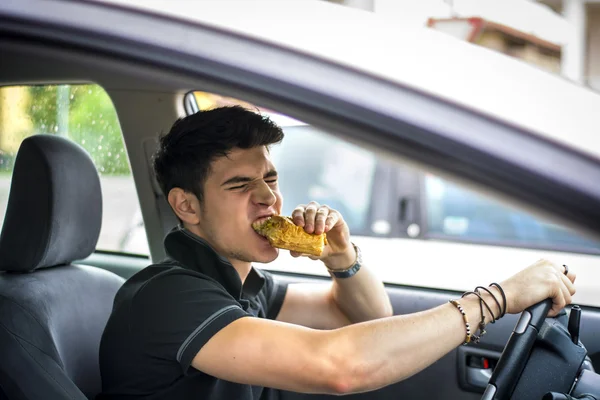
x=56 y=288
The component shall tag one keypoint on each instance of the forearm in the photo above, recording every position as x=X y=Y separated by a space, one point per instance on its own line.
x=378 y=353
x=362 y=297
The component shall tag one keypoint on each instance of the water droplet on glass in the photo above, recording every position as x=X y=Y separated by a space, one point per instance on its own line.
x=99 y=147
x=82 y=141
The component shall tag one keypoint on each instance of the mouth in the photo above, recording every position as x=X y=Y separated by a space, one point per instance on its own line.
x=261 y=237
x=257 y=224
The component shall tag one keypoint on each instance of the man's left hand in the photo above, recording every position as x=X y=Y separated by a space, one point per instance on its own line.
x=315 y=218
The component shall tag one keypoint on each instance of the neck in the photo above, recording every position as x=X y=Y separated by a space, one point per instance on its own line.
x=242 y=267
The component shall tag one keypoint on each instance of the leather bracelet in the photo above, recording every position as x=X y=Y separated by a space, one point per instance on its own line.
x=350 y=271
x=494 y=318
x=482 y=302
x=503 y=311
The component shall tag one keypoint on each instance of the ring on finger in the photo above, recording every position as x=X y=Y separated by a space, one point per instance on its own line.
x=566 y=269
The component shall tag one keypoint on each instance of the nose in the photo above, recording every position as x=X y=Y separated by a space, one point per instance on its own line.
x=264 y=195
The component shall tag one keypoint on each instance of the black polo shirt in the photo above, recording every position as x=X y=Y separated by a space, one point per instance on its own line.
x=164 y=314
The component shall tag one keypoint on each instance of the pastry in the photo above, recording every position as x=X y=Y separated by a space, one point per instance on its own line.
x=284 y=234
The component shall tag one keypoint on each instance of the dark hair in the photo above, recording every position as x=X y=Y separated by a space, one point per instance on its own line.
x=184 y=155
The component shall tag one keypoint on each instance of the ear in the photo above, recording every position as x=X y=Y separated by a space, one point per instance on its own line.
x=185 y=205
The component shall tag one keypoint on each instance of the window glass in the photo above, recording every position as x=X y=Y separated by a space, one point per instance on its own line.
x=85 y=115
x=316 y=166
x=458 y=213
x=484 y=240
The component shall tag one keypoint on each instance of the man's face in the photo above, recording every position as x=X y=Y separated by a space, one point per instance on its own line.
x=240 y=190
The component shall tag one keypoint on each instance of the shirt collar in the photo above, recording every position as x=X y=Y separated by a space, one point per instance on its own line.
x=193 y=252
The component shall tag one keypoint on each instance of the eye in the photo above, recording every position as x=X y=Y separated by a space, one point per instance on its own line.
x=271 y=181
x=238 y=187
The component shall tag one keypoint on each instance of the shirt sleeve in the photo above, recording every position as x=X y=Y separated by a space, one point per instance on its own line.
x=275 y=294
x=177 y=315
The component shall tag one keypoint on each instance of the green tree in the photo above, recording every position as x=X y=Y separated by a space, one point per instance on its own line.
x=93 y=123
x=84 y=114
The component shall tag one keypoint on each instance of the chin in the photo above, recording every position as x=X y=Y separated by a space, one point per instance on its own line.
x=267 y=256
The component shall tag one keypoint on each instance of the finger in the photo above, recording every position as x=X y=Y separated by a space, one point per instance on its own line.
x=558 y=299
x=565 y=290
x=298 y=215
x=570 y=274
x=557 y=267
x=296 y=254
x=332 y=220
x=310 y=213
x=568 y=284
x=558 y=303
x=322 y=214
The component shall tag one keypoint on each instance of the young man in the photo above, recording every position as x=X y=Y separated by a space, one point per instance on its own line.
x=206 y=324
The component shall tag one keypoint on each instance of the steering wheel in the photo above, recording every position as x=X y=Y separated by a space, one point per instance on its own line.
x=542 y=355
x=516 y=353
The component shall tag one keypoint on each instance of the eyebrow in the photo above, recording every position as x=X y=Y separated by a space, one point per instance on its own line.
x=245 y=179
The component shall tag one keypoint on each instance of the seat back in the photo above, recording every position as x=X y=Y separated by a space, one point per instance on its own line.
x=52 y=313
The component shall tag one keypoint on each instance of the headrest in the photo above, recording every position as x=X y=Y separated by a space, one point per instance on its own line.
x=54 y=208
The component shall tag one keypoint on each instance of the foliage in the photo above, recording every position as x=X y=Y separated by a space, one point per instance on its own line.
x=94 y=124
x=82 y=113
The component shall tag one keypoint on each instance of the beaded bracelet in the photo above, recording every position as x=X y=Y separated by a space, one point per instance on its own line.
x=464 y=315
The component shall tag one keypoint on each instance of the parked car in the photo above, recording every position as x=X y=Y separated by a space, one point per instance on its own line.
x=465 y=165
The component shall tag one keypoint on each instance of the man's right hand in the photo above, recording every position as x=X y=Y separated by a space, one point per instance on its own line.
x=536 y=283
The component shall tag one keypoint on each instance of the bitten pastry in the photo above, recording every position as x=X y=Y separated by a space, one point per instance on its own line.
x=284 y=234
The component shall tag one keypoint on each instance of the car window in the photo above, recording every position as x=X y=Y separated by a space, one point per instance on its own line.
x=85 y=115
x=413 y=227
x=457 y=213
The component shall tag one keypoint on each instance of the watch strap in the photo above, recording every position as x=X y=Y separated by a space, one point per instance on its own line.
x=350 y=271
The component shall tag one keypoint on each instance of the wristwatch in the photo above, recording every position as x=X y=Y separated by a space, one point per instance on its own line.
x=350 y=271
